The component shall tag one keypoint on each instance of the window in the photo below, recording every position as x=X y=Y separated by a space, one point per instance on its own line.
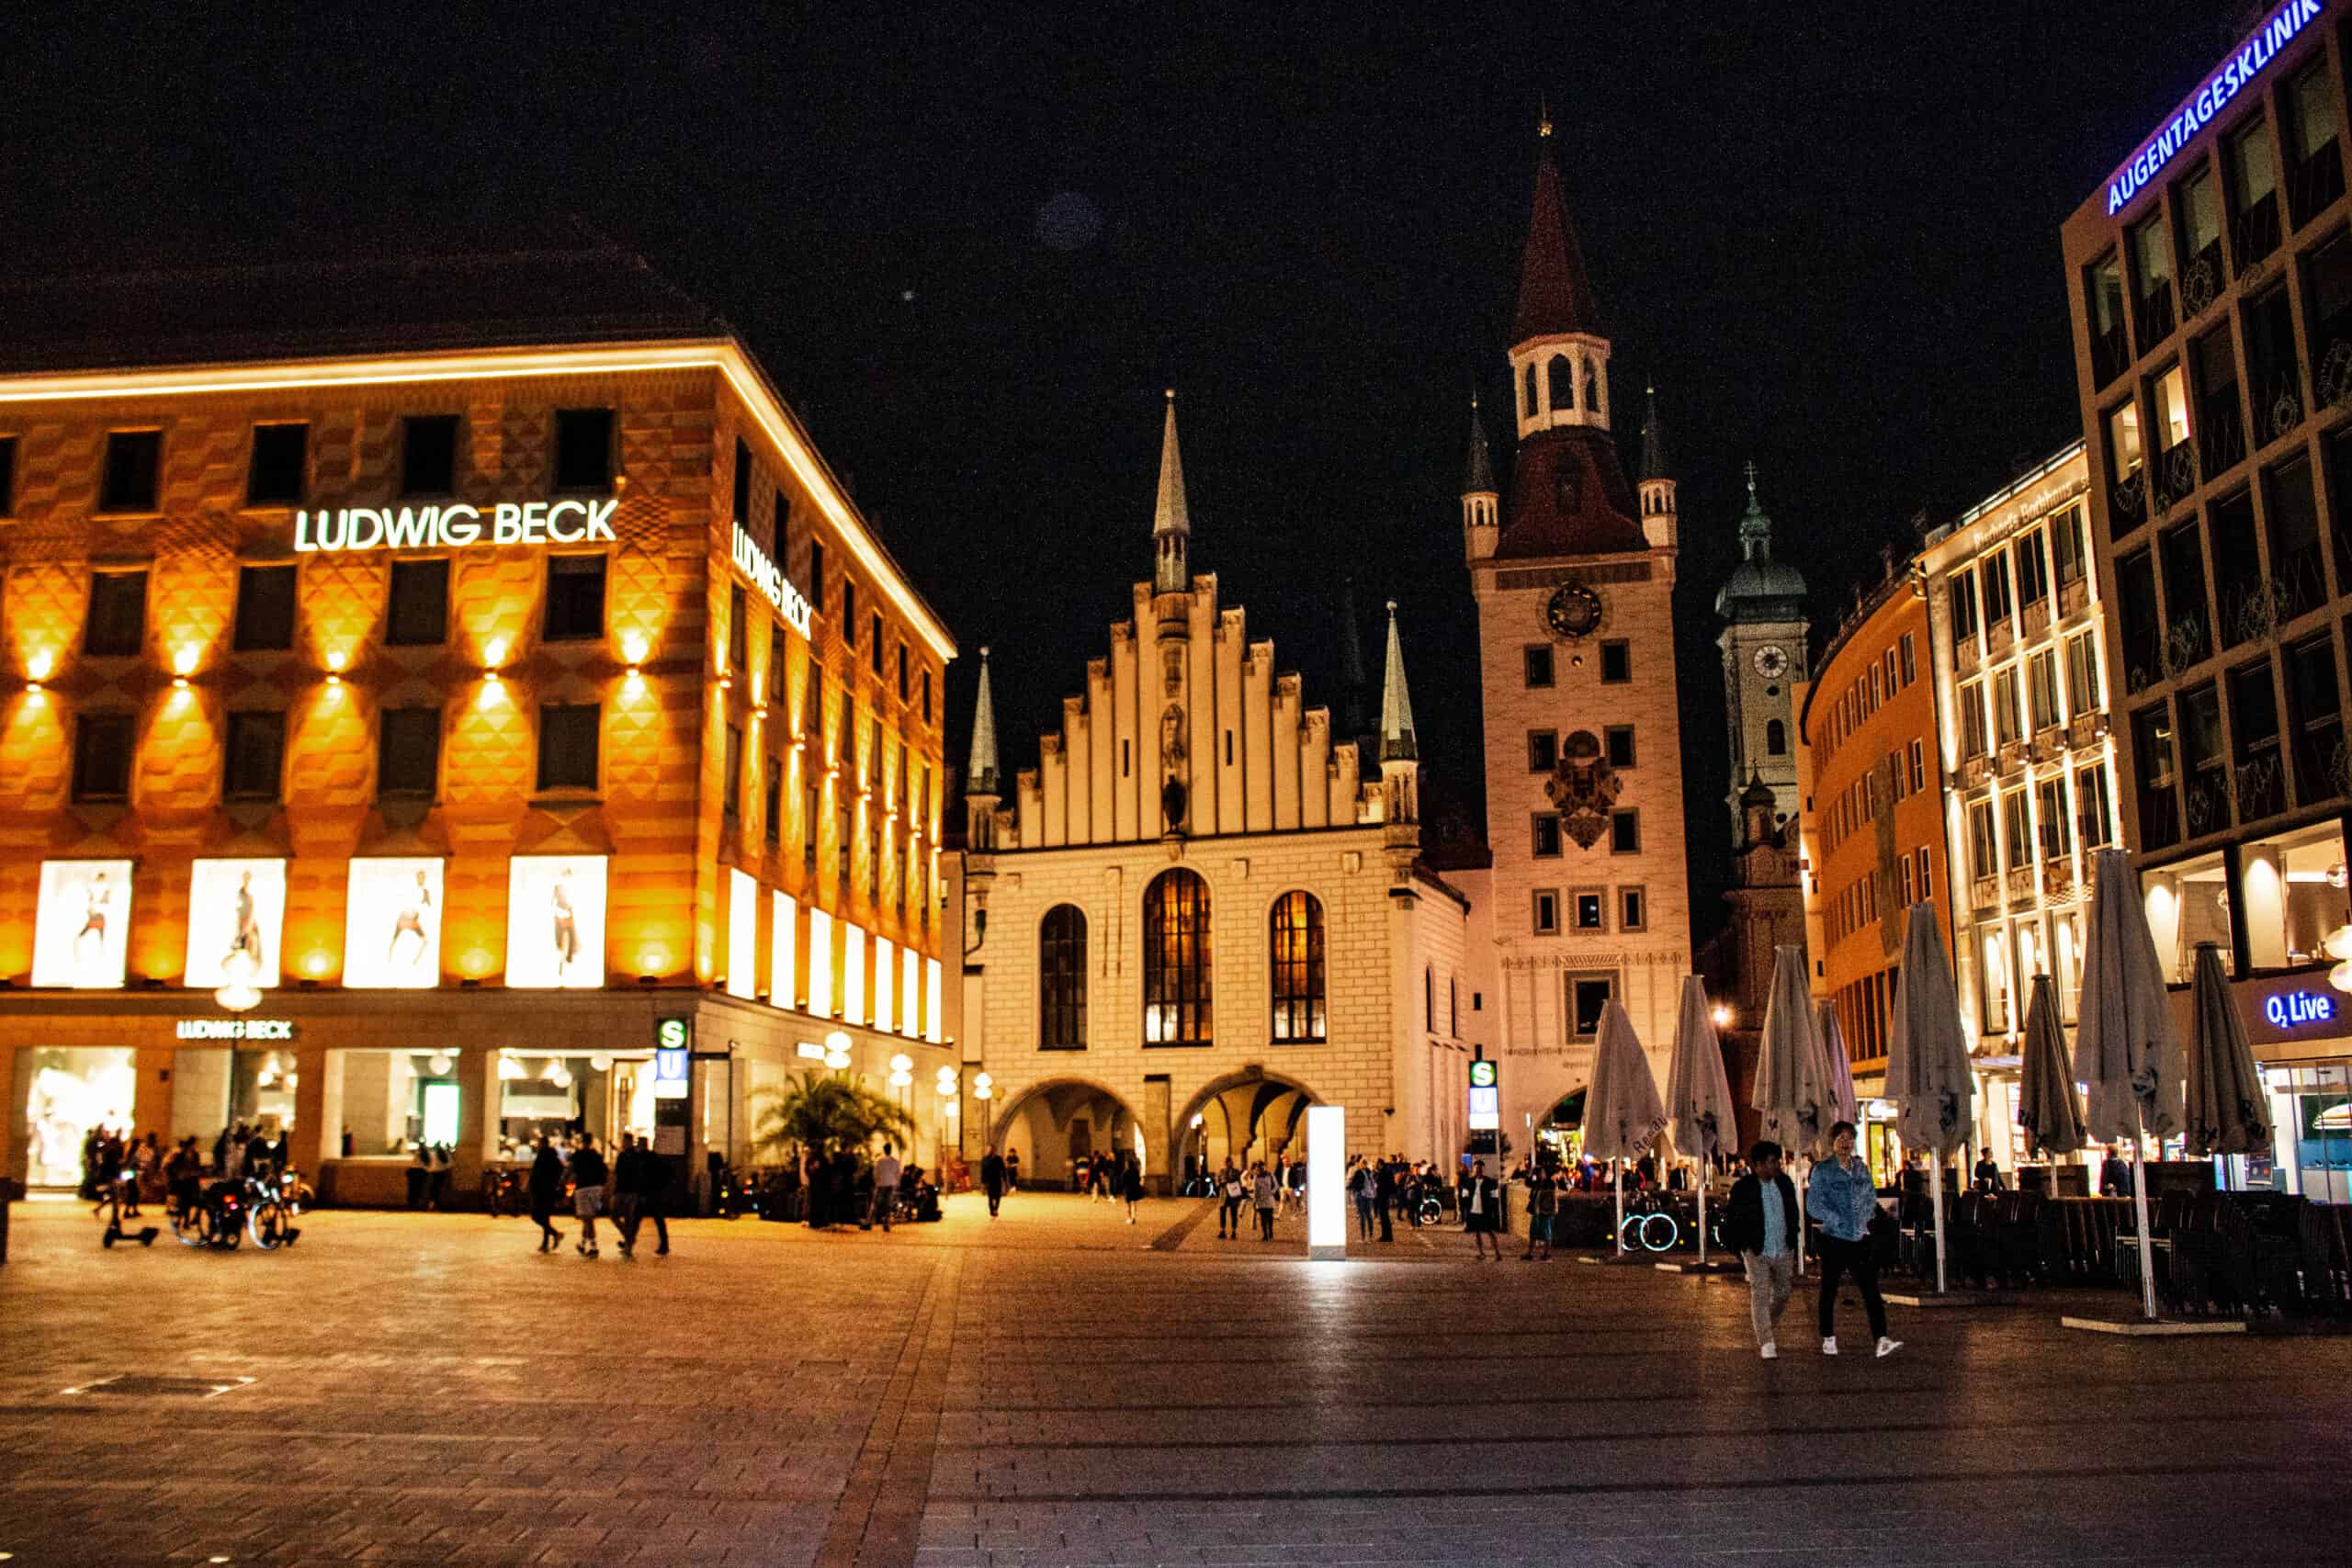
x=2205 y=782
x=2153 y=764
x=2093 y=813
x=1538 y=667
x=2253 y=723
x=2188 y=903
x=817 y=574
x=1620 y=742
x=275 y=474
x=739 y=630
x=1560 y=377
x=133 y=468
x=2169 y=393
x=264 y=610
x=1543 y=750
x=429 y=454
x=2200 y=222
x=873 y=646
x=1616 y=663
x=1776 y=738
x=102 y=743
x=2041 y=687
x=256 y=746
x=731 y=785
x=926 y=696
x=777 y=663
x=2034 y=569
x=576 y=600
x=2291 y=890
x=1633 y=910
x=742 y=512
x=7 y=476
x=2015 y=828
x=1547 y=912
x=118 y=623
x=1918 y=766
x=903 y=692
x=2103 y=309
x=1984 y=851
x=1910 y=662
x=2151 y=256
x=1588 y=996
x=2252 y=181
x=416 y=612
x=1962 y=590
x=2277 y=376
x=1624 y=832
x=2136 y=628
x=849 y=613
x=2299 y=578
x=2221 y=430
x=2082 y=673
x=2313 y=706
x=2307 y=114
x=1544 y=835
x=1176 y=960
x=583 y=449
x=1296 y=935
x=1971 y=719
x=1587 y=908
x=1919 y=857
x=2124 y=460
x=1061 y=979
x=568 y=734
x=2005 y=706
x=1530 y=389
x=2052 y=811
x=408 y=752
x=1429 y=999
x=1995 y=577
x=2187 y=632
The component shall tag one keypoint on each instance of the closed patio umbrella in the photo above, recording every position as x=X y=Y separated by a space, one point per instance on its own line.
x=1790 y=1094
x=1927 y=1057
x=2223 y=1110
x=2127 y=1051
x=1843 y=1106
x=1698 y=1095
x=1623 y=1114
x=2048 y=1109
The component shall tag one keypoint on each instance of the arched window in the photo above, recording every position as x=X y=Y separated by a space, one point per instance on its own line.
x=1061 y=979
x=1530 y=391
x=1592 y=388
x=1176 y=960
x=1776 y=738
x=1297 y=932
x=1562 y=377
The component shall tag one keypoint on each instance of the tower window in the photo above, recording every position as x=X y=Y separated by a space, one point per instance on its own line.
x=1624 y=832
x=1592 y=390
x=1543 y=750
x=1539 y=666
x=1776 y=738
x=1562 y=377
x=429 y=454
x=1530 y=391
x=1621 y=745
x=1616 y=662
x=1547 y=912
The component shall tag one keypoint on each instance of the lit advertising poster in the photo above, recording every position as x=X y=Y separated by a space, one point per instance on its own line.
x=235 y=909
x=392 y=935
x=743 y=934
x=82 y=933
x=555 y=922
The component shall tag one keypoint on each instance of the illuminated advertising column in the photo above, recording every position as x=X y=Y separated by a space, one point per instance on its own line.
x=1326 y=1198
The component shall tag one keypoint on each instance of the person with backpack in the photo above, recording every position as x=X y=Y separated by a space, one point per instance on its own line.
x=1231 y=1191
x=1264 y=1191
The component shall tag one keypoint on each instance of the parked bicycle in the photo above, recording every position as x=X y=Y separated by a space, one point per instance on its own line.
x=1649 y=1225
x=216 y=1218
x=270 y=1209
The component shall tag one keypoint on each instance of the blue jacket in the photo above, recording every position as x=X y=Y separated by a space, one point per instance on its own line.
x=1842 y=1198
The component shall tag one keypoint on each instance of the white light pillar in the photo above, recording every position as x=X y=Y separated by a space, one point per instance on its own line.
x=1326 y=1198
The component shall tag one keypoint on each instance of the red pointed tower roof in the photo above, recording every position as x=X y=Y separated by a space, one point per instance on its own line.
x=1554 y=293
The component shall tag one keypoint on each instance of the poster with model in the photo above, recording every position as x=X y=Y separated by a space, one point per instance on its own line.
x=235 y=909
x=82 y=932
x=555 y=922
x=392 y=936
x=743 y=934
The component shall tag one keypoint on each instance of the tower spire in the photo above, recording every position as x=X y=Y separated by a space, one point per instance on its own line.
x=1652 y=440
x=1479 y=473
x=1171 y=525
x=981 y=777
x=1396 y=741
x=1755 y=527
x=1554 y=292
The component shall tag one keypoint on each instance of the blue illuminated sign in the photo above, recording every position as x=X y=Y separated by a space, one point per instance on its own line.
x=2289 y=1010
x=2249 y=62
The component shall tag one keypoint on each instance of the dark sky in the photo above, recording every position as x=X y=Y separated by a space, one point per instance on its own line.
x=973 y=243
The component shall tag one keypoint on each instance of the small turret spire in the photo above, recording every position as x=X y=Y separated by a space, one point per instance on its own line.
x=981 y=777
x=1171 y=525
x=1397 y=740
x=1755 y=527
x=1652 y=440
x=1479 y=473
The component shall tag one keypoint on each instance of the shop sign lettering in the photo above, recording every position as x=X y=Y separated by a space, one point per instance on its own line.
x=2292 y=1010
x=455 y=526
x=235 y=1028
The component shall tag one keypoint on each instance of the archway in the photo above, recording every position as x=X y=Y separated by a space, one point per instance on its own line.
x=1056 y=1123
x=1243 y=1116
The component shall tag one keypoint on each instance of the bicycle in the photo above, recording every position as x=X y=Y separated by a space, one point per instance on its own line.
x=1433 y=1208
x=215 y=1219
x=1648 y=1226
x=269 y=1214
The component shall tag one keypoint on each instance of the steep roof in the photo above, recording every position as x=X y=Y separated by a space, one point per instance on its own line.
x=1653 y=441
x=982 y=778
x=1569 y=497
x=1554 y=292
x=1478 y=473
x=1397 y=742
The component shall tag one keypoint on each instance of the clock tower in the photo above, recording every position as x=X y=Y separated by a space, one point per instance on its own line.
x=1574 y=578
x=1763 y=644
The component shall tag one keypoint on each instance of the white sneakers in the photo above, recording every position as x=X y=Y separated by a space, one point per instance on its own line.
x=1770 y=1351
x=1888 y=1346
x=1829 y=1346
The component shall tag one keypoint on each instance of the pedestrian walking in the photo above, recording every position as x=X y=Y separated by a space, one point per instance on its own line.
x=885 y=1187
x=547 y=1192
x=1479 y=1202
x=1383 y=1194
x=1760 y=1224
x=626 y=1193
x=1542 y=1206
x=1230 y=1193
x=1264 y=1192
x=653 y=1196
x=1840 y=1194
x=1130 y=1183
x=1361 y=1184
x=588 y=1177
x=1012 y=1171
x=992 y=1179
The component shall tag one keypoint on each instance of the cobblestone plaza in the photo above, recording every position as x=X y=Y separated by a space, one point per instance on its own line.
x=1058 y=1387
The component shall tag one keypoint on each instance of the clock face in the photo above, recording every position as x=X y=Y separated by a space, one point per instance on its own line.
x=1771 y=662
x=1574 y=610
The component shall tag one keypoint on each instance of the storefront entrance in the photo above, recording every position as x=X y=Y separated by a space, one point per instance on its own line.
x=2311 y=1109
x=66 y=1094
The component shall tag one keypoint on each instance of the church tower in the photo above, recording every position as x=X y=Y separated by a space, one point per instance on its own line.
x=1763 y=645
x=1575 y=585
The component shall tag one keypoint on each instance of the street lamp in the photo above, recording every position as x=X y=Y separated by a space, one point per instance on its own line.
x=837 y=1050
x=1722 y=1016
x=237 y=993
x=2339 y=947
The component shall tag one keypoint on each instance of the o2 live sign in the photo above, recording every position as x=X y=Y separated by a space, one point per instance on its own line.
x=2253 y=58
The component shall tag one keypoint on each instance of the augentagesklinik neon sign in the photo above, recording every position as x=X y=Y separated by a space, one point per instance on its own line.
x=774 y=586
x=2252 y=58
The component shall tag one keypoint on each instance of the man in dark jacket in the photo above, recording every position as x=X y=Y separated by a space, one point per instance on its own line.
x=1760 y=1224
x=992 y=1179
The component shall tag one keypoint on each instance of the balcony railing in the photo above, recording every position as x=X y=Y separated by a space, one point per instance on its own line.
x=2279 y=408
x=2152 y=316
x=2200 y=281
x=2253 y=233
x=2128 y=499
x=2110 y=353
x=2221 y=436
x=2314 y=183
x=2175 y=475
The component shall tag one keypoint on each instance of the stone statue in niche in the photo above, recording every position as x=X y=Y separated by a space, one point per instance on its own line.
x=1172 y=737
x=1171 y=804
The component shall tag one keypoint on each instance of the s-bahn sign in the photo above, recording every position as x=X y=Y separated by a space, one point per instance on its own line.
x=455 y=526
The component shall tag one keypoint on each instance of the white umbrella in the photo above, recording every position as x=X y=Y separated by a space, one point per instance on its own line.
x=2126 y=1048
x=1927 y=1057
x=1698 y=1095
x=1623 y=1114
x=2047 y=1107
x=1790 y=1093
x=1843 y=1105
x=2223 y=1110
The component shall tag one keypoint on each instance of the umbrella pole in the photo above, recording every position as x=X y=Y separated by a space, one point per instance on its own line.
x=2140 y=1209
x=1803 y=1194
x=1702 y=1177
x=1617 y=1175
x=1936 y=1188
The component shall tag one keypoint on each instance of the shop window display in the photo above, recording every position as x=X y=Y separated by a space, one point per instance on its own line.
x=567 y=1092
x=68 y=1094
x=2188 y=903
x=2293 y=886
x=386 y=1103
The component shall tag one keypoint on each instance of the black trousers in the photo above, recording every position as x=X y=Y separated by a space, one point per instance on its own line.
x=995 y=1196
x=1229 y=1216
x=1854 y=1259
x=1266 y=1225
x=1387 y=1232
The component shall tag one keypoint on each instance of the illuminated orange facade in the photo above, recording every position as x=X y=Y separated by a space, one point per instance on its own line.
x=494 y=615
x=1872 y=785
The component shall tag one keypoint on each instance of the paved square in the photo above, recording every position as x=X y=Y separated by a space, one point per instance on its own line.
x=1060 y=1387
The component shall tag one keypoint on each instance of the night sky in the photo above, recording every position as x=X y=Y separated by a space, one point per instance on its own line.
x=974 y=243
